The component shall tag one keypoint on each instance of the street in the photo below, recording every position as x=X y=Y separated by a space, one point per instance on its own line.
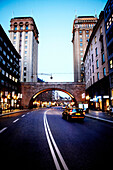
x=41 y=139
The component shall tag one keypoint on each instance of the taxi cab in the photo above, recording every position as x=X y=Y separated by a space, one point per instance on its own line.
x=73 y=113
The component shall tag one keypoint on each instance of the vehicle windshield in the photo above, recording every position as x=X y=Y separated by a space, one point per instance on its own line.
x=77 y=110
x=74 y=109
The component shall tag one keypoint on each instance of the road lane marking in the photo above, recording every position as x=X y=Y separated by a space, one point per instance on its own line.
x=28 y=113
x=23 y=116
x=51 y=141
x=51 y=147
x=2 y=130
x=15 y=120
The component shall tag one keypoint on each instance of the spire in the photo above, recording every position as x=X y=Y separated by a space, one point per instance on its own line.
x=75 y=13
x=95 y=13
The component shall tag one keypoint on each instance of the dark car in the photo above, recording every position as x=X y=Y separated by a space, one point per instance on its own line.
x=73 y=113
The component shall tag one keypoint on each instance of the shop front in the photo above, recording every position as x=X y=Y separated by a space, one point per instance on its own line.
x=97 y=95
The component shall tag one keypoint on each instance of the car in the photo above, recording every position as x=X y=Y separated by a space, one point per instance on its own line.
x=73 y=113
x=64 y=107
x=48 y=106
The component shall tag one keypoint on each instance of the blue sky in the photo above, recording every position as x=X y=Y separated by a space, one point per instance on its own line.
x=54 y=20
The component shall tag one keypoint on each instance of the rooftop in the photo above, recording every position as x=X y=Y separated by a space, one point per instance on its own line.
x=86 y=17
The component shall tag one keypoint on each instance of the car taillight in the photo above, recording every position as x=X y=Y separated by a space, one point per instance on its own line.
x=70 y=112
x=84 y=112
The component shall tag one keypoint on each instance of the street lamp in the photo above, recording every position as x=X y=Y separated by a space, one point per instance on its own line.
x=51 y=77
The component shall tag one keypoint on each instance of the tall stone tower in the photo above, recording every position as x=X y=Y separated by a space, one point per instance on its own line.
x=24 y=37
x=82 y=29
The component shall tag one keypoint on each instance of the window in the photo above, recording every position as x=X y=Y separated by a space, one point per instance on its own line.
x=101 y=30
x=3 y=62
x=26 y=37
x=3 y=72
x=25 y=52
x=14 y=38
x=5 y=44
x=104 y=71
x=92 y=58
x=26 y=27
x=96 y=52
x=95 y=39
x=4 y=53
x=15 y=27
x=25 y=68
x=26 y=24
x=92 y=68
x=25 y=42
x=80 y=31
x=20 y=34
x=91 y=46
x=8 y=57
x=81 y=49
x=0 y=48
x=21 y=25
x=97 y=63
x=93 y=79
x=87 y=35
x=111 y=64
x=24 y=74
x=103 y=58
x=25 y=63
x=24 y=79
x=81 y=44
x=80 y=39
x=87 y=31
x=81 y=53
x=2 y=82
x=25 y=57
x=7 y=75
x=98 y=76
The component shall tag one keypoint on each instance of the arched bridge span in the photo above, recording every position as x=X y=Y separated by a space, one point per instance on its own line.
x=31 y=90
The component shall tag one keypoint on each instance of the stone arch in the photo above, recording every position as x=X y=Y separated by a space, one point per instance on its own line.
x=50 y=89
x=30 y=89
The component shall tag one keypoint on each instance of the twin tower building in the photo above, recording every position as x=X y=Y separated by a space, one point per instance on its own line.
x=24 y=36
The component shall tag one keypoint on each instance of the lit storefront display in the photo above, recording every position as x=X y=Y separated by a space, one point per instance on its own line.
x=10 y=101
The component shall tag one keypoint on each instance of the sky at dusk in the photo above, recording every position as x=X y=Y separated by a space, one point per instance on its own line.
x=54 y=20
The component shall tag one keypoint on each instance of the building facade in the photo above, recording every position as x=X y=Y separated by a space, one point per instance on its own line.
x=9 y=73
x=108 y=16
x=24 y=36
x=82 y=29
x=96 y=68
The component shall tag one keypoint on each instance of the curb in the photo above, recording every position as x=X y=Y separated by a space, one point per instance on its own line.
x=98 y=118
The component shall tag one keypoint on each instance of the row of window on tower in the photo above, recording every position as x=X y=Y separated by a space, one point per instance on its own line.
x=21 y=26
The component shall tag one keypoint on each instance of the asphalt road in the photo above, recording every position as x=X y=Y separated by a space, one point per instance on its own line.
x=42 y=140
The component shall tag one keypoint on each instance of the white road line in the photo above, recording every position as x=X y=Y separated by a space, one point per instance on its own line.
x=28 y=113
x=51 y=147
x=15 y=120
x=98 y=118
x=2 y=130
x=23 y=116
x=48 y=133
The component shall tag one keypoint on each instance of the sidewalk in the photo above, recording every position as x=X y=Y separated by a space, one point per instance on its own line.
x=100 y=115
x=8 y=112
